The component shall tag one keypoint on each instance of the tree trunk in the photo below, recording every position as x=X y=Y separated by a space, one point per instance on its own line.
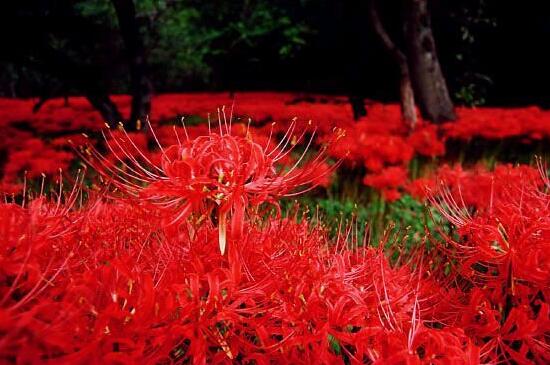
x=105 y=106
x=408 y=110
x=141 y=88
x=428 y=82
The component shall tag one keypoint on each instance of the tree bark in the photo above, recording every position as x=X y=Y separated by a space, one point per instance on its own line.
x=428 y=82
x=408 y=107
x=407 y=100
x=141 y=88
x=105 y=106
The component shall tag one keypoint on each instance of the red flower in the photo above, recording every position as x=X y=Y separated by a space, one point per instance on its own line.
x=391 y=195
x=389 y=178
x=426 y=142
x=501 y=257
x=218 y=172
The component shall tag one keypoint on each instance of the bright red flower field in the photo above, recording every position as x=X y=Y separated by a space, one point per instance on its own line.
x=174 y=244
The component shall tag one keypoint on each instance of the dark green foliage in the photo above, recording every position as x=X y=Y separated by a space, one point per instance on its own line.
x=184 y=41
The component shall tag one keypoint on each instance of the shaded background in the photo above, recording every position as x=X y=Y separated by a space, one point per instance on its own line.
x=492 y=52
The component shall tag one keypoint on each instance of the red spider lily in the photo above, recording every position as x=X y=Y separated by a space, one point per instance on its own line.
x=388 y=181
x=109 y=282
x=375 y=141
x=36 y=157
x=139 y=291
x=426 y=141
x=296 y=298
x=502 y=259
x=218 y=172
x=36 y=250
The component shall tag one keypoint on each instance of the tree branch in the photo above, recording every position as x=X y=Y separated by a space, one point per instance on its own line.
x=379 y=29
x=406 y=93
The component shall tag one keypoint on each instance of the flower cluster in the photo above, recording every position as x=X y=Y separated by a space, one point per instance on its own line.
x=132 y=273
x=108 y=282
x=378 y=140
x=499 y=261
x=219 y=173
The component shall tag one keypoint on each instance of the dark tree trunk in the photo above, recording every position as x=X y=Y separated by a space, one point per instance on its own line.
x=357 y=106
x=406 y=94
x=135 y=49
x=105 y=106
x=428 y=82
